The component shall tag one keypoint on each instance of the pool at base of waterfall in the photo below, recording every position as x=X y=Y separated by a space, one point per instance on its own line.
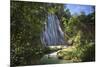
x=52 y=58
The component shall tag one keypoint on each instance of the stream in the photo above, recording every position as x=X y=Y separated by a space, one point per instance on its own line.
x=52 y=58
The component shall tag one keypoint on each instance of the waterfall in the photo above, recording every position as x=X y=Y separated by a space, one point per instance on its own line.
x=52 y=33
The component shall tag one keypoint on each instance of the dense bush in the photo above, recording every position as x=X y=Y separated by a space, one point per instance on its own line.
x=78 y=53
x=26 y=27
x=89 y=54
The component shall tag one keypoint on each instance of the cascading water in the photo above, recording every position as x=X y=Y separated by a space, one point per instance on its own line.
x=52 y=33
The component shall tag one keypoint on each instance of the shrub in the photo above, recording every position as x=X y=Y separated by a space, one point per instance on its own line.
x=78 y=53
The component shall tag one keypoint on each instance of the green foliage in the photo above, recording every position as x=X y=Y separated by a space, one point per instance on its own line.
x=27 y=22
x=79 y=53
x=89 y=54
x=26 y=26
x=80 y=28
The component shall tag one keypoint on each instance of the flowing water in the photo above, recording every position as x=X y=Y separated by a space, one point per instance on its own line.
x=52 y=33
